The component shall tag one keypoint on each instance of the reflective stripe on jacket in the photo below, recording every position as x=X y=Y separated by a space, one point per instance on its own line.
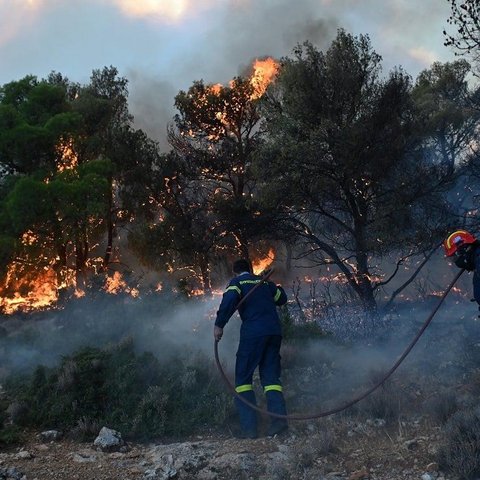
x=258 y=313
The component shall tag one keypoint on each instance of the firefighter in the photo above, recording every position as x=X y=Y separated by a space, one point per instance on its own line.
x=465 y=248
x=259 y=346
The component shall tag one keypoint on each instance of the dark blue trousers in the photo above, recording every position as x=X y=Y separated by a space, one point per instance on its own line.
x=262 y=352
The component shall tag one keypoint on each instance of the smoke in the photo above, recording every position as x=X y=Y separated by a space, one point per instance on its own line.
x=329 y=373
x=317 y=371
x=239 y=33
x=151 y=103
x=166 y=324
x=163 y=46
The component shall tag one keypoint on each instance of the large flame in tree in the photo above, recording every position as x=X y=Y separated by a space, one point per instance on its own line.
x=264 y=72
x=261 y=264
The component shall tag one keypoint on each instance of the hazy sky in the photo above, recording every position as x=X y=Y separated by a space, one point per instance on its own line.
x=162 y=46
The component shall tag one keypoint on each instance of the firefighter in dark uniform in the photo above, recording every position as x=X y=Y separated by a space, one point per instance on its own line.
x=465 y=249
x=259 y=346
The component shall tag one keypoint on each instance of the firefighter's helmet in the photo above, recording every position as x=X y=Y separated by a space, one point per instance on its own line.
x=455 y=239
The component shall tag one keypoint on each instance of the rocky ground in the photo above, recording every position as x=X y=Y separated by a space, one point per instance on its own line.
x=334 y=449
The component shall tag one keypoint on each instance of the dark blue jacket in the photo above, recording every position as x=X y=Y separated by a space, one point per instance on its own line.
x=258 y=313
x=476 y=274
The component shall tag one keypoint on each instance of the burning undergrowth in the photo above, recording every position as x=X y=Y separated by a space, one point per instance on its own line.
x=151 y=354
x=151 y=345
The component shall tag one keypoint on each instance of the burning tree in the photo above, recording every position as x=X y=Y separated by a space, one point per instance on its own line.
x=344 y=162
x=174 y=229
x=216 y=134
x=75 y=148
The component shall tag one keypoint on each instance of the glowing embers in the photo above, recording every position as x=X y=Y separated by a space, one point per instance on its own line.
x=68 y=159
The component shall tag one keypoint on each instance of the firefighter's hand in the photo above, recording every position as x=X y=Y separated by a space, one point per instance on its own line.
x=218 y=333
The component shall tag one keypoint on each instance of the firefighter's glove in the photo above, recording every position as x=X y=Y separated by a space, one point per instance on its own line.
x=464 y=259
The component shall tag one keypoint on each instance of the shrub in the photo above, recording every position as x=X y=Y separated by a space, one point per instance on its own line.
x=132 y=393
x=442 y=407
x=10 y=435
x=299 y=330
x=85 y=429
x=460 y=453
x=383 y=403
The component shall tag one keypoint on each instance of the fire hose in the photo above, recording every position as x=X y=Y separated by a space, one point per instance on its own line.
x=355 y=399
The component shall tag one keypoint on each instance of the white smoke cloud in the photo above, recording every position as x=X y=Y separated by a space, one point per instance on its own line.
x=161 y=10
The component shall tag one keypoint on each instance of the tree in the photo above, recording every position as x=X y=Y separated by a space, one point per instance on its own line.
x=56 y=138
x=465 y=17
x=108 y=134
x=216 y=134
x=447 y=115
x=344 y=162
x=58 y=218
x=34 y=116
x=177 y=230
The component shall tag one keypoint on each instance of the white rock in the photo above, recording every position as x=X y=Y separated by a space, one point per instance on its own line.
x=109 y=440
x=427 y=476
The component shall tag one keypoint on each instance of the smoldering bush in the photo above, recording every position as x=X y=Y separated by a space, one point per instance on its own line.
x=460 y=454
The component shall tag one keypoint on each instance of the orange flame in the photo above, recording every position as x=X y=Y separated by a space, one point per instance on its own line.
x=264 y=72
x=116 y=284
x=260 y=264
x=32 y=291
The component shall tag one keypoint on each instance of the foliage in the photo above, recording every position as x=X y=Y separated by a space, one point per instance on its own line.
x=341 y=155
x=216 y=135
x=115 y=386
x=465 y=17
x=185 y=233
x=442 y=406
x=62 y=147
x=446 y=112
x=298 y=331
x=9 y=433
x=460 y=454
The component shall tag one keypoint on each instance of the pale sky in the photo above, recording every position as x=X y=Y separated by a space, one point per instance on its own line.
x=162 y=46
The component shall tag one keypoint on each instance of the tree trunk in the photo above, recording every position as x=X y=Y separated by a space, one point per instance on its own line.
x=205 y=272
x=81 y=256
x=366 y=294
x=288 y=261
x=110 y=226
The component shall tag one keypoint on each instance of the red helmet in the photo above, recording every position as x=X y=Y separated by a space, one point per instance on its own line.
x=455 y=239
